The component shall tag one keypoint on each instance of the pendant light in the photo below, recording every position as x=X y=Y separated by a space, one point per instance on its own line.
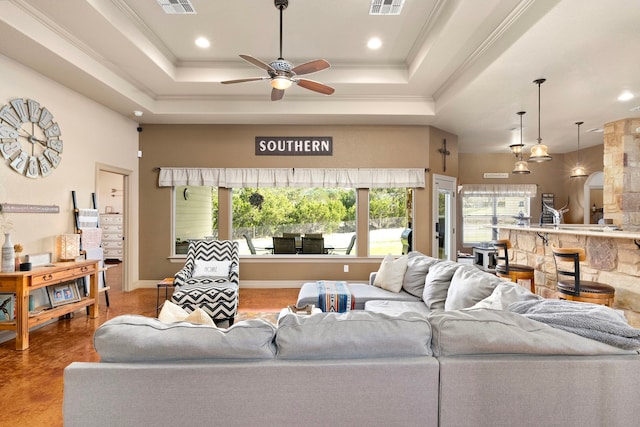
x=521 y=167
x=539 y=151
x=578 y=171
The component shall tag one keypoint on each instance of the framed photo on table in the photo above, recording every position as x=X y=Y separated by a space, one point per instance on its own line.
x=64 y=293
x=7 y=306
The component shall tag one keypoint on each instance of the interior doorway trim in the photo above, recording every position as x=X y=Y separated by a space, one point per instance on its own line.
x=126 y=203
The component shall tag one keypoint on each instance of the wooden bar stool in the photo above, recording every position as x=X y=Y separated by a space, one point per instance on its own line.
x=576 y=289
x=518 y=273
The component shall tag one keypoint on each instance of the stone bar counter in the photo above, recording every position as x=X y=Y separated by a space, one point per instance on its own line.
x=613 y=258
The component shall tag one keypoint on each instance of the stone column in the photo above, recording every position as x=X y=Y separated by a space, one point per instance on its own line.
x=621 y=195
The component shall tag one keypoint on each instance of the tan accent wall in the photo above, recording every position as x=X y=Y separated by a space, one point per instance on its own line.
x=233 y=146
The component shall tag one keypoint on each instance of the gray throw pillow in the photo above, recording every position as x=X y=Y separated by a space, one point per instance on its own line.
x=469 y=285
x=417 y=268
x=437 y=284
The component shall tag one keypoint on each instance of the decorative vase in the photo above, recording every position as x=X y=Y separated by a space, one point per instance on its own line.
x=8 y=255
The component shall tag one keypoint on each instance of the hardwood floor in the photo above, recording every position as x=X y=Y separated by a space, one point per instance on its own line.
x=31 y=383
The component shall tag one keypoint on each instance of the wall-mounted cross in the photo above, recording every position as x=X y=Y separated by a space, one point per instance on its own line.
x=444 y=153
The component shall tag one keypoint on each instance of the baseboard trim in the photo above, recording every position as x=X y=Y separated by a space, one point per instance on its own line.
x=255 y=284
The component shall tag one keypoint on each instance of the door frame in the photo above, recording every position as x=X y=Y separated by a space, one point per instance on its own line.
x=126 y=205
x=444 y=183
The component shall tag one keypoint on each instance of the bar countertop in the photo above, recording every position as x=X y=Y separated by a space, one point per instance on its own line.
x=595 y=230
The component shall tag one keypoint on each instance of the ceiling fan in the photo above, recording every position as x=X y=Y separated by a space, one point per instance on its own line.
x=282 y=73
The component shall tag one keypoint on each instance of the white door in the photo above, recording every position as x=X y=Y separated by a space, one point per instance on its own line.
x=444 y=215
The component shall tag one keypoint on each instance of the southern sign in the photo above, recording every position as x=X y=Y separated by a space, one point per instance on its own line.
x=294 y=145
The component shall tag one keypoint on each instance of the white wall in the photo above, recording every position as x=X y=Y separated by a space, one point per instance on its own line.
x=91 y=134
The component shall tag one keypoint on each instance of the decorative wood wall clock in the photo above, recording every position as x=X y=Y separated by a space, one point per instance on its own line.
x=31 y=142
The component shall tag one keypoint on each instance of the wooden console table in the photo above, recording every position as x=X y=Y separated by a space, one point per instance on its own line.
x=22 y=283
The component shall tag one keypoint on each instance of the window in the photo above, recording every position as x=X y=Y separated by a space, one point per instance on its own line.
x=259 y=214
x=196 y=215
x=388 y=217
x=483 y=206
x=267 y=202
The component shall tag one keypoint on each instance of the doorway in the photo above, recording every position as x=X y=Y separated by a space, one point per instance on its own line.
x=444 y=213
x=112 y=202
x=593 y=198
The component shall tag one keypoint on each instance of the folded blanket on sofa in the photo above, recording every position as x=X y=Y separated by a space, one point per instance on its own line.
x=593 y=321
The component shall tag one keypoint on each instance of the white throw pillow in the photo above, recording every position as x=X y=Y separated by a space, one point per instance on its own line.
x=504 y=294
x=171 y=313
x=391 y=273
x=211 y=268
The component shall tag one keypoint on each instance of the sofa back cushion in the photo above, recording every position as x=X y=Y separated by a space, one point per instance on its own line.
x=133 y=338
x=353 y=335
x=437 y=284
x=469 y=285
x=487 y=331
x=418 y=266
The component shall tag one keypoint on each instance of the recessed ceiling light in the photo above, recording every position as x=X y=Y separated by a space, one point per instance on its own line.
x=374 y=43
x=625 y=96
x=202 y=42
x=137 y=113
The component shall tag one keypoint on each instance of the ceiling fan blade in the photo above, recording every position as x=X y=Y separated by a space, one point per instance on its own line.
x=311 y=67
x=257 y=63
x=315 y=86
x=277 y=94
x=251 y=79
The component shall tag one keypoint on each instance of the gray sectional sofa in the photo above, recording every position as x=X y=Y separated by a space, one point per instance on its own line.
x=465 y=352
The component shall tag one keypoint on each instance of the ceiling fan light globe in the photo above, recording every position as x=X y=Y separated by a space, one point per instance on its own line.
x=281 y=83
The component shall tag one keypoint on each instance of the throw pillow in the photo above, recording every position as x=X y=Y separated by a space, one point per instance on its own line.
x=504 y=294
x=391 y=273
x=418 y=266
x=171 y=313
x=437 y=284
x=211 y=269
x=469 y=285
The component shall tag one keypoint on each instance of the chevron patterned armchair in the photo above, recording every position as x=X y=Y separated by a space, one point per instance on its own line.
x=209 y=279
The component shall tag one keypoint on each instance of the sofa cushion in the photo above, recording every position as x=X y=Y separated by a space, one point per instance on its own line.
x=486 y=331
x=418 y=266
x=133 y=338
x=353 y=335
x=504 y=294
x=437 y=284
x=391 y=273
x=395 y=308
x=469 y=285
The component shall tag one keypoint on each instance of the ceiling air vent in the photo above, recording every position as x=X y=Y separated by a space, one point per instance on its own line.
x=177 y=7
x=386 y=7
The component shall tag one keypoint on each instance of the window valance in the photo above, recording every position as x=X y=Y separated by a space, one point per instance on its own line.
x=493 y=190
x=292 y=177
